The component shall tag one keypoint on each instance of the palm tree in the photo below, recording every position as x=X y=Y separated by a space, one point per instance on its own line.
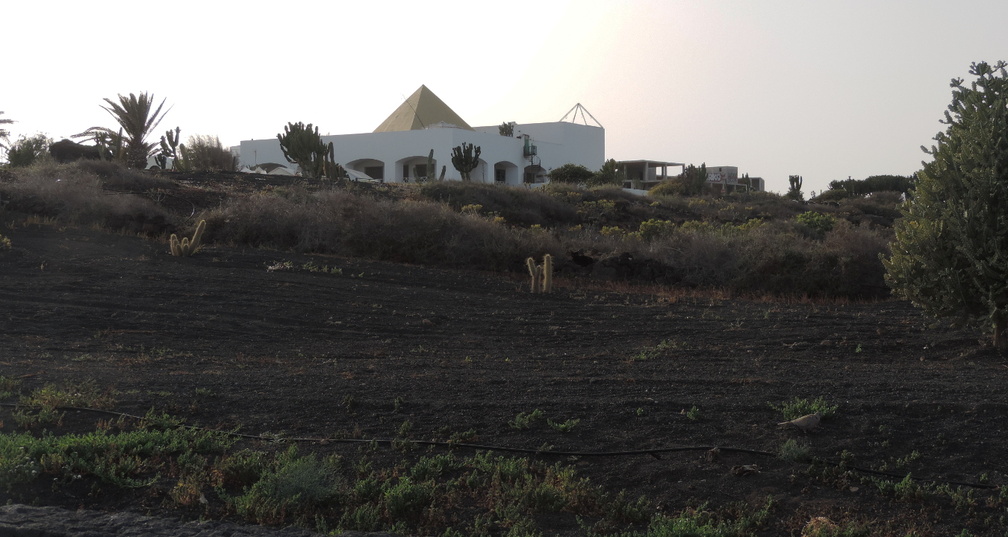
x=136 y=120
x=3 y=132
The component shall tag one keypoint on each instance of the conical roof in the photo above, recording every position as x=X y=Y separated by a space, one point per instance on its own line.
x=421 y=110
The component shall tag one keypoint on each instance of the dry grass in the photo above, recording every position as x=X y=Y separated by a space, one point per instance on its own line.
x=745 y=245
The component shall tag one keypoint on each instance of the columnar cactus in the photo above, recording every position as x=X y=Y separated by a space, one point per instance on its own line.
x=535 y=271
x=303 y=146
x=542 y=275
x=465 y=158
x=169 y=149
x=187 y=247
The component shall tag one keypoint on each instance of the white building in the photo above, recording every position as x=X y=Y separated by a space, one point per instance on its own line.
x=398 y=149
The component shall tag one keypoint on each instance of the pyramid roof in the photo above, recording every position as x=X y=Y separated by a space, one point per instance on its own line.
x=419 y=111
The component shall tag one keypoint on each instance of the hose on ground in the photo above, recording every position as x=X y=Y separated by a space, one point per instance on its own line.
x=653 y=452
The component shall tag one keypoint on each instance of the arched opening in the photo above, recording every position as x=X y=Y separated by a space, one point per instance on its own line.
x=506 y=173
x=374 y=169
x=413 y=169
x=534 y=174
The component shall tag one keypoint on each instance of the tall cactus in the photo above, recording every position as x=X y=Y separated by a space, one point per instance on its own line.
x=303 y=146
x=795 y=192
x=169 y=149
x=465 y=158
x=430 y=165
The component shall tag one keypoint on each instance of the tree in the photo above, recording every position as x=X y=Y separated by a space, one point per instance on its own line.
x=28 y=150
x=950 y=254
x=574 y=174
x=507 y=128
x=4 y=133
x=609 y=174
x=465 y=158
x=693 y=180
x=137 y=117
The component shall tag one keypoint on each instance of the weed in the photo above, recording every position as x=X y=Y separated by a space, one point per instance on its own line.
x=794 y=451
x=799 y=407
x=656 y=351
x=8 y=386
x=5 y=243
x=563 y=427
x=693 y=414
x=524 y=420
x=292 y=489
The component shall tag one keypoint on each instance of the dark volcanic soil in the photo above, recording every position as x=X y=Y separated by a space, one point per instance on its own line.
x=222 y=341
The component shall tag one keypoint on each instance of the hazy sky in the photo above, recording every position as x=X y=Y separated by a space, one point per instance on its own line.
x=823 y=89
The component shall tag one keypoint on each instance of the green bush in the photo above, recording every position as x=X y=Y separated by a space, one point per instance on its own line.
x=294 y=489
x=574 y=174
x=27 y=151
x=818 y=222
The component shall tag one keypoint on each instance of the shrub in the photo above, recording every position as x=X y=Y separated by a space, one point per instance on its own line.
x=518 y=206
x=575 y=174
x=818 y=222
x=73 y=195
x=27 y=151
x=205 y=153
x=294 y=488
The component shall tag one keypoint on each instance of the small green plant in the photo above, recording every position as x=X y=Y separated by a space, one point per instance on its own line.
x=794 y=451
x=655 y=351
x=8 y=386
x=5 y=243
x=564 y=426
x=693 y=414
x=799 y=407
x=525 y=420
x=187 y=247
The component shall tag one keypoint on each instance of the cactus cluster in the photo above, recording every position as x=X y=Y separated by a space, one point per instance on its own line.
x=542 y=275
x=187 y=247
x=465 y=158
x=169 y=149
x=302 y=145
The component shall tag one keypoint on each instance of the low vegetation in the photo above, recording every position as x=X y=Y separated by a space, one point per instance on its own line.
x=744 y=244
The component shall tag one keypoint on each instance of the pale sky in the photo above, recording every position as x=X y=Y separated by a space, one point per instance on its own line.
x=822 y=89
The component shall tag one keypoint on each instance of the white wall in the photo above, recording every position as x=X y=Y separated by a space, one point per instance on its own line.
x=558 y=143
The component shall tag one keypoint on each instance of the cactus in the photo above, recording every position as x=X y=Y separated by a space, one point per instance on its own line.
x=795 y=192
x=303 y=146
x=443 y=170
x=169 y=149
x=431 y=165
x=542 y=275
x=187 y=247
x=535 y=271
x=465 y=158
x=547 y=274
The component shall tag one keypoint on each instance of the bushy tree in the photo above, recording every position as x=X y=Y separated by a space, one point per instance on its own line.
x=137 y=117
x=571 y=174
x=27 y=150
x=950 y=255
x=609 y=174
